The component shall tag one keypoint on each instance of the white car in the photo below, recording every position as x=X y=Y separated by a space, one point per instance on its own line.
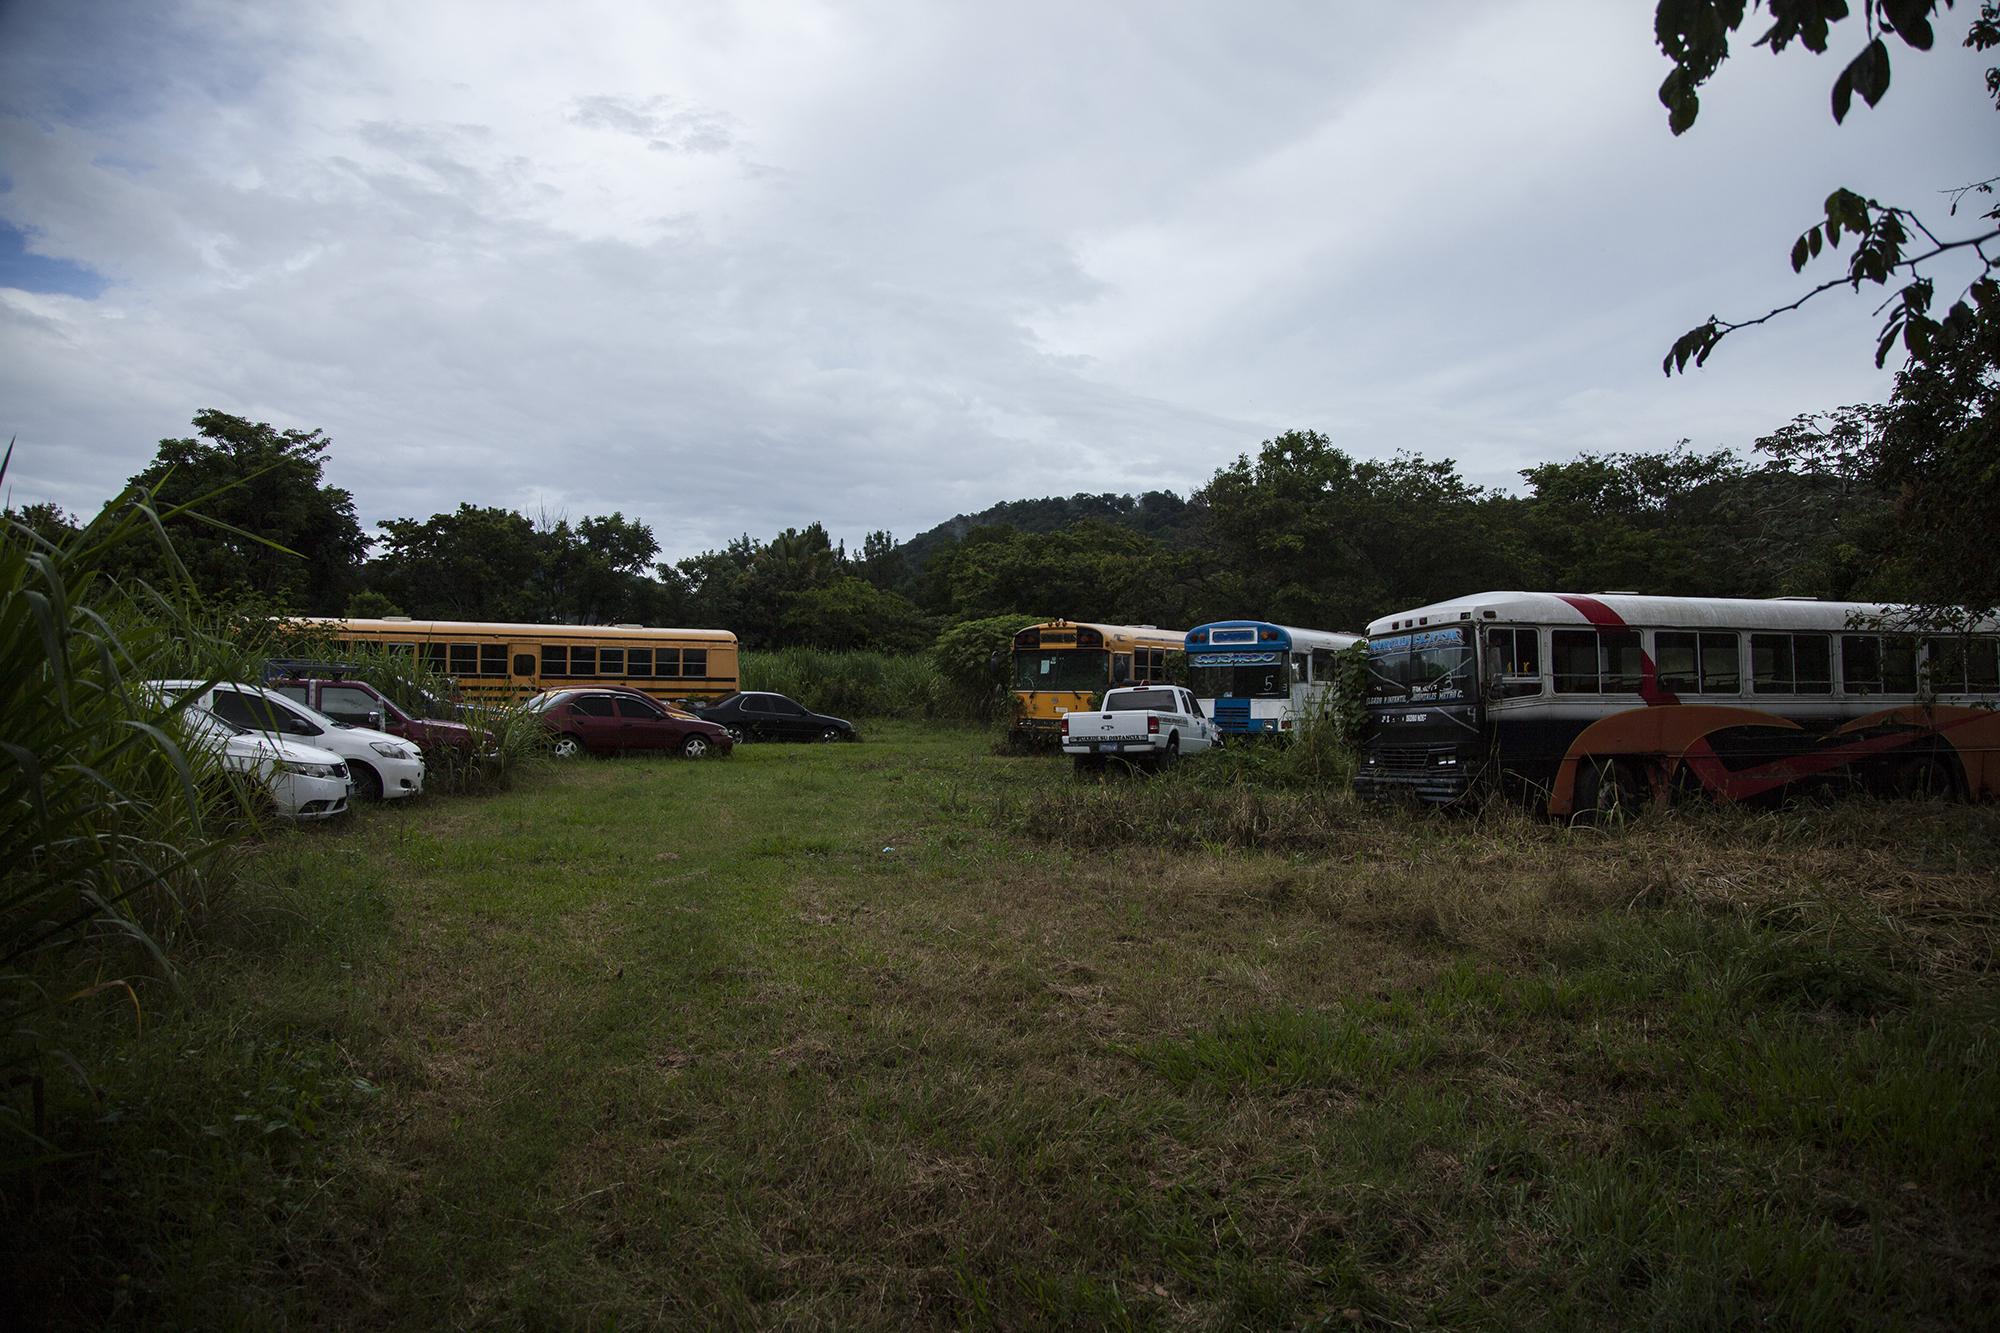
x=304 y=782
x=383 y=767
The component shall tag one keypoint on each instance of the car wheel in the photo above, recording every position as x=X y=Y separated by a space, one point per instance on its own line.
x=367 y=782
x=736 y=736
x=566 y=747
x=831 y=734
x=695 y=747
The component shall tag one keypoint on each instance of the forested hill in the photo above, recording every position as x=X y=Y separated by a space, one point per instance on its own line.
x=1158 y=514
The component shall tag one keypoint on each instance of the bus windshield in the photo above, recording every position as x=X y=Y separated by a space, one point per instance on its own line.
x=1072 y=669
x=1433 y=666
x=1268 y=680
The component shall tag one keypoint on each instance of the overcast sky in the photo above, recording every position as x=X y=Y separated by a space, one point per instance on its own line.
x=733 y=267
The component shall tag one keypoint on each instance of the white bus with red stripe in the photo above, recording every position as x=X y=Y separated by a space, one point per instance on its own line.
x=1610 y=699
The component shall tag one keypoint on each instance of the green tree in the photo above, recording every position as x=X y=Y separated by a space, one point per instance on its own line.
x=476 y=563
x=1307 y=535
x=255 y=486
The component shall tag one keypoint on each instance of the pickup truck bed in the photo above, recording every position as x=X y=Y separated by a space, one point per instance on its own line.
x=1157 y=723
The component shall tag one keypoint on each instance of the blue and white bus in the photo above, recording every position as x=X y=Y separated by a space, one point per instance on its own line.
x=1255 y=678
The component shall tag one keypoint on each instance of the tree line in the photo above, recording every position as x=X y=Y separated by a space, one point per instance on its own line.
x=1891 y=502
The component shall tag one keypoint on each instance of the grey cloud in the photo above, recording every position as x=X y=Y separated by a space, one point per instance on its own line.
x=665 y=124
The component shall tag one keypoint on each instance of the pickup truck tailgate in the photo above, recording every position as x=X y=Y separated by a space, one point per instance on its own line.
x=1108 y=729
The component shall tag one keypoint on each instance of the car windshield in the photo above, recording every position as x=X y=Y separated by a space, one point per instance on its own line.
x=546 y=700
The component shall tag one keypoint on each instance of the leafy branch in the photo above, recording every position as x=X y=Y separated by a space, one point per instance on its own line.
x=1883 y=233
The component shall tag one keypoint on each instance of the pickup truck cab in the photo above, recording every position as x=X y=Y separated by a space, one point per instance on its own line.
x=356 y=703
x=1151 y=722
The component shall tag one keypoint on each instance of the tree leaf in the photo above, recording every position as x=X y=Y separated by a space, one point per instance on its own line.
x=1871 y=71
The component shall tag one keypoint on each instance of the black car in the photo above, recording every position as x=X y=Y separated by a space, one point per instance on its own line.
x=756 y=716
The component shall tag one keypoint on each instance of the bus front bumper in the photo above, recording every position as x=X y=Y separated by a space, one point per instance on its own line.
x=1438 y=774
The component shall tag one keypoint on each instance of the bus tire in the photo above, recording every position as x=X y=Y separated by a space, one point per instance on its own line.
x=1925 y=777
x=1608 y=792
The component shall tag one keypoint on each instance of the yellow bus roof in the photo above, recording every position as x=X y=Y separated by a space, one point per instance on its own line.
x=497 y=629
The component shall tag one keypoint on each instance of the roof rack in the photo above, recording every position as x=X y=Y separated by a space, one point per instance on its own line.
x=276 y=667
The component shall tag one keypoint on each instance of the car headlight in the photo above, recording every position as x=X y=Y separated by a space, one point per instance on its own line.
x=306 y=770
x=390 y=750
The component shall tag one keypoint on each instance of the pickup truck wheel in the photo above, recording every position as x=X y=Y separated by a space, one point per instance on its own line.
x=1173 y=754
x=367 y=782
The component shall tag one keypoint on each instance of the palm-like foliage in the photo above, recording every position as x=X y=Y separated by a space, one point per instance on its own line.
x=109 y=830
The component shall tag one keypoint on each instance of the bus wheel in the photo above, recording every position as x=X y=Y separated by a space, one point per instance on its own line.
x=1924 y=778
x=1608 y=791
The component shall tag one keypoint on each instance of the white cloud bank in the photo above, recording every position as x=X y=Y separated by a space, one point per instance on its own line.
x=736 y=267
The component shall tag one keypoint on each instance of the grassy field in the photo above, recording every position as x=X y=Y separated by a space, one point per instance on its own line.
x=908 y=1033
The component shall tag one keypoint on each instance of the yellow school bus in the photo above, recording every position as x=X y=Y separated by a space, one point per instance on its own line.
x=508 y=662
x=1064 y=665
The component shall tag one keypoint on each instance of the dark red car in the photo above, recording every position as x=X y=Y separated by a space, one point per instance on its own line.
x=620 y=722
x=360 y=704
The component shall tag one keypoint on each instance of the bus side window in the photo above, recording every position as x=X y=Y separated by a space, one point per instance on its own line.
x=1982 y=665
x=1771 y=663
x=1674 y=652
x=1573 y=653
x=1721 y=667
x=555 y=659
x=1121 y=667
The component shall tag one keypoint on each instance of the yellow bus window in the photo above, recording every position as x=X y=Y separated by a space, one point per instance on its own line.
x=583 y=661
x=639 y=662
x=464 y=659
x=555 y=659
x=610 y=661
x=492 y=659
x=694 y=662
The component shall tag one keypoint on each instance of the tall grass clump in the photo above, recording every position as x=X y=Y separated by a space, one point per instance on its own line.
x=854 y=684
x=112 y=836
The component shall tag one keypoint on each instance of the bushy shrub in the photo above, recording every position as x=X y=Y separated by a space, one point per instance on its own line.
x=974 y=659
x=853 y=684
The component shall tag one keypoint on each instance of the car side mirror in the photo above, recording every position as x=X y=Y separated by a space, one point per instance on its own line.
x=375 y=721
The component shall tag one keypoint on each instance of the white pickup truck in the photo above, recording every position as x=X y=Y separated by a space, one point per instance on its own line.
x=1156 y=722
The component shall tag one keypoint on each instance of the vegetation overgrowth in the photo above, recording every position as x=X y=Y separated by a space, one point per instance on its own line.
x=902 y=1033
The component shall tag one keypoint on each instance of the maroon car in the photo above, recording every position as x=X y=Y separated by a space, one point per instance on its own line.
x=360 y=704
x=620 y=722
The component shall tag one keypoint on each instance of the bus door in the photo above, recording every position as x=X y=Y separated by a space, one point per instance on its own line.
x=524 y=668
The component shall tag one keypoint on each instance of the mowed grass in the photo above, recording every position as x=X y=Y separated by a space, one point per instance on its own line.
x=906 y=1033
